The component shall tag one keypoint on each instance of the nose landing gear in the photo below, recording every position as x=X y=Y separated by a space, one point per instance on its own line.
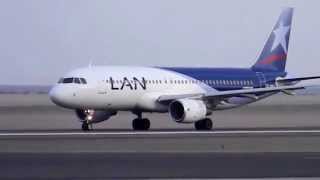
x=85 y=126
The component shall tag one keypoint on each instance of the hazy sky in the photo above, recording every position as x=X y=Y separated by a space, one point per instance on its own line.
x=40 y=40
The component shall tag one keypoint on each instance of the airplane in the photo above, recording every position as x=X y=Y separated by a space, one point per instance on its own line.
x=187 y=94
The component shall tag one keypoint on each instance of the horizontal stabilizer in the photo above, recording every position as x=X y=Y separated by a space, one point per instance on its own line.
x=297 y=79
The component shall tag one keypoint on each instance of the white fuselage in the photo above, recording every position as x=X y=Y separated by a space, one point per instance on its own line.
x=123 y=88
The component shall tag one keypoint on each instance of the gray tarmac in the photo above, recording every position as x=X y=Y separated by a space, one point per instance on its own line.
x=36 y=112
x=277 y=137
x=158 y=165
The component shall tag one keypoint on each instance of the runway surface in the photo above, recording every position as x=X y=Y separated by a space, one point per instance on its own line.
x=159 y=165
x=36 y=112
x=160 y=154
x=276 y=138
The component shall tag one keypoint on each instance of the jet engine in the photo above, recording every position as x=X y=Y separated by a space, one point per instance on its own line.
x=187 y=110
x=94 y=116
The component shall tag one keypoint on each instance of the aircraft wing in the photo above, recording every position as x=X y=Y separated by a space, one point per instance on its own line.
x=244 y=92
x=165 y=98
x=231 y=93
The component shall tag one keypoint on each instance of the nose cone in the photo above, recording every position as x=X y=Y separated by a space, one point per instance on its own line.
x=59 y=96
x=56 y=96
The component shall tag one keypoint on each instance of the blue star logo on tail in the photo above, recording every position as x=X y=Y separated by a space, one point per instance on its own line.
x=280 y=37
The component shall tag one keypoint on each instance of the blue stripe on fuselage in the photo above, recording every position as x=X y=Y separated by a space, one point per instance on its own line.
x=226 y=78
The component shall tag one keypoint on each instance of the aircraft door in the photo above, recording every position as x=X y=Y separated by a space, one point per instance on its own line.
x=262 y=79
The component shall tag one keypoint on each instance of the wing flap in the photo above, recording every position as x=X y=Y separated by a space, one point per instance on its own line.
x=252 y=91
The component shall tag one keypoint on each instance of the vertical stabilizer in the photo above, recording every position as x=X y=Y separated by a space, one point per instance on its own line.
x=274 y=54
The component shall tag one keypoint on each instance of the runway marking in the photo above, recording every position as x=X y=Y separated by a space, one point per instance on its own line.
x=239 y=132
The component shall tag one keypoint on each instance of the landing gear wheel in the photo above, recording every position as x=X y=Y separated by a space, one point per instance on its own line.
x=141 y=124
x=205 y=124
x=85 y=126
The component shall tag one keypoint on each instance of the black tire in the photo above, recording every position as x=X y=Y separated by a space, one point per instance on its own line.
x=135 y=124
x=85 y=126
x=205 y=124
x=141 y=124
x=146 y=124
x=197 y=125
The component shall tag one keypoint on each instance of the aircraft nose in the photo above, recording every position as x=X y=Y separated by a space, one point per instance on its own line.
x=57 y=95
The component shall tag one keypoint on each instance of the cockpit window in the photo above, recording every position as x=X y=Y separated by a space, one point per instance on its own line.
x=83 y=81
x=67 y=80
x=77 y=80
x=74 y=80
x=60 y=80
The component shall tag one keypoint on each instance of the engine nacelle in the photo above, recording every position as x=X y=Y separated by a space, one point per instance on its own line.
x=93 y=116
x=187 y=110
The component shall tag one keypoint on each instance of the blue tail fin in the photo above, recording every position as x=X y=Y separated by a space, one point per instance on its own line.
x=274 y=54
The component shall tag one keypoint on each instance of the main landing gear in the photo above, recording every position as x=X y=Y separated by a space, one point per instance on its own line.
x=140 y=123
x=204 y=124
